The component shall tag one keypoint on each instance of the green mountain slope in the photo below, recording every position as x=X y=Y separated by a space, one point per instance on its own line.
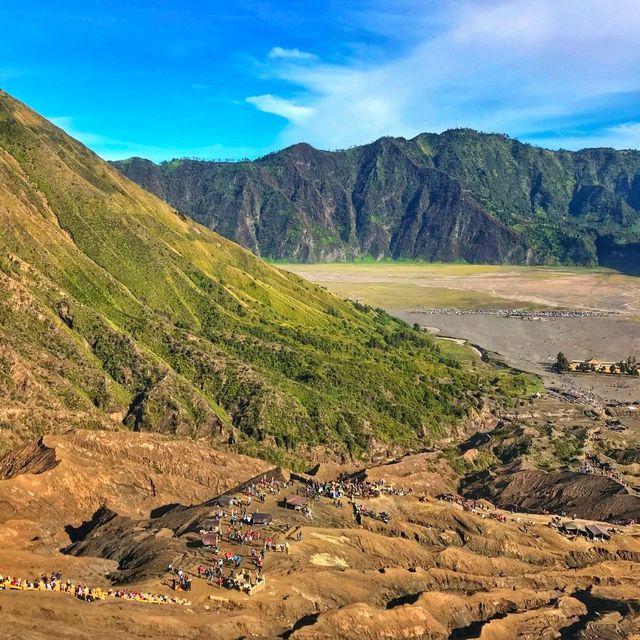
x=114 y=309
x=460 y=195
x=572 y=207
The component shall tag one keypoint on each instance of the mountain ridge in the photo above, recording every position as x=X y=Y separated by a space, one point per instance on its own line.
x=460 y=195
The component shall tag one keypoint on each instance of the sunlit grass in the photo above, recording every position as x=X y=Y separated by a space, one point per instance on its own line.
x=411 y=296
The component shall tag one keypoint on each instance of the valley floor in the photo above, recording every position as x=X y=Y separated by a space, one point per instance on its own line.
x=414 y=286
x=408 y=290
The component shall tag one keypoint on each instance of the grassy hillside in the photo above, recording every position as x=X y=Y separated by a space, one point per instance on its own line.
x=116 y=310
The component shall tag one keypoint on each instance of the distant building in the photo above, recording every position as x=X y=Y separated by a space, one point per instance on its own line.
x=594 y=365
x=210 y=539
x=597 y=533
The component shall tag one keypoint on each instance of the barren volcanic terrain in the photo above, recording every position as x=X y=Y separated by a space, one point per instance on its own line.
x=401 y=549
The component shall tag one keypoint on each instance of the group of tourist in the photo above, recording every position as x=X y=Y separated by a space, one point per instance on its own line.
x=350 y=488
x=55 y=583
x=42 y=583
x=238 y=536
x=240 y=580
x=474 y=506
x=265 y=486
x=216 y=572
x=223 y=569
x=180 y=580
x=361 y=510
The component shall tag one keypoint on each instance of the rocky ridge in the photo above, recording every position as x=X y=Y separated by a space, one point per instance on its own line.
x=458 y=196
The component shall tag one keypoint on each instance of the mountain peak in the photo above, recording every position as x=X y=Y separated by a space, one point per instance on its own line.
x=511 y=202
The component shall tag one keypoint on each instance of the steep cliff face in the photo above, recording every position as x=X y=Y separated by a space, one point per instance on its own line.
x=460 y=195
x=572 y=207
x=305 y=204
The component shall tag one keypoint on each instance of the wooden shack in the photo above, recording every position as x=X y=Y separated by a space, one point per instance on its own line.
x=295 y=502
x=210 y=539
x=261 y=519
x=597 y=533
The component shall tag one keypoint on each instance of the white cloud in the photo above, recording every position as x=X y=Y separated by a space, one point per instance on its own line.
x=280 y=107
x=514 y=66
x=291 y=54
x=626 y=135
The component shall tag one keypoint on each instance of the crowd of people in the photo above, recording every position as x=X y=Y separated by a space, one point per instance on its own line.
x=263 y=487
x=55 y=583
x=180 y=580
x=241 y=565
x=238 y=536
x=361 y=510
x=236 y=527
x=224 y=571
x=350 y=488
x=474 y=506
x=243 y=580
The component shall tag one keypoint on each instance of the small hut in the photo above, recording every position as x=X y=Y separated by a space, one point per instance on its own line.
x=574 y=529
x=597 y=533
x=210 y=539
x=295 y=502
x=261 y=519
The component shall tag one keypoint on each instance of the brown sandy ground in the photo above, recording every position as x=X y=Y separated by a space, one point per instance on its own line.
x=434 y=571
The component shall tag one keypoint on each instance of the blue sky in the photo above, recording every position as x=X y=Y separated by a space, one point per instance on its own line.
x=173 y=78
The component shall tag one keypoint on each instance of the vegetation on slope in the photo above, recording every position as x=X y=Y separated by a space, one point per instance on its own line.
x=115 y=309
x=577 y=208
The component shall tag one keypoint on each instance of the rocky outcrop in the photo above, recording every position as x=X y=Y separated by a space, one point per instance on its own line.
x=80 y=471
x=586 y=495
x=33 y=458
